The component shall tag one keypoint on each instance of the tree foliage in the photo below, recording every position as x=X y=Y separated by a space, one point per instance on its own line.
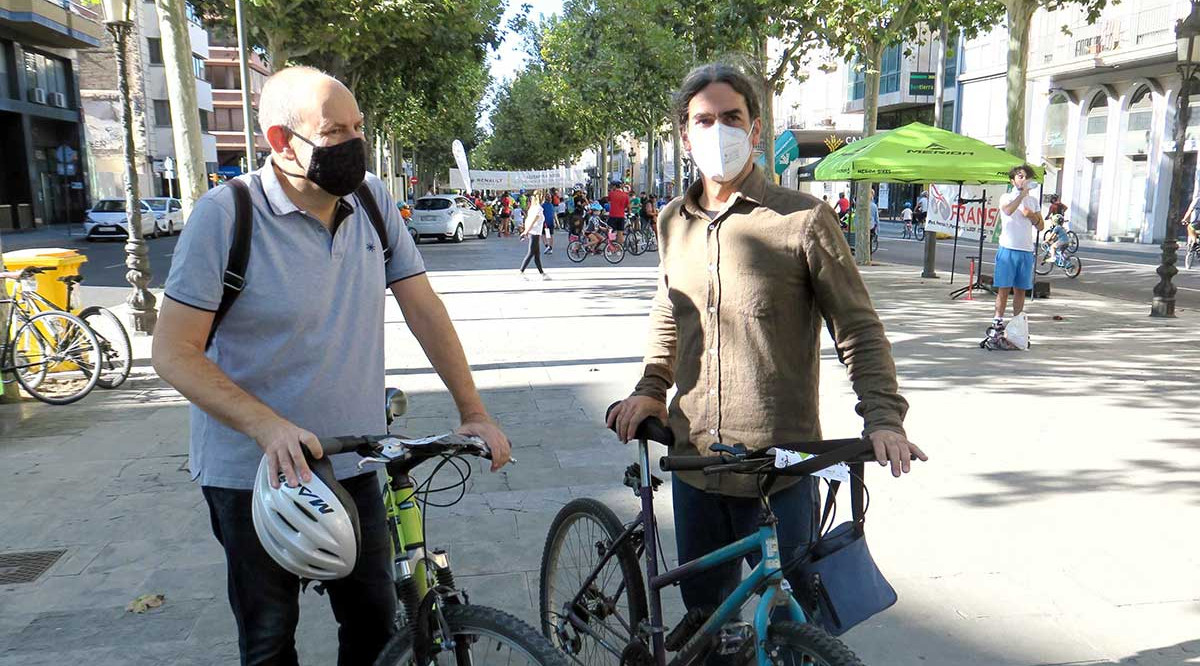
x=528 y=130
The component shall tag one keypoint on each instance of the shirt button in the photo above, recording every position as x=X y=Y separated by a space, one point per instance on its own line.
x=712 y=310
x=712 y=391
x=712 y=226
x=713 y=351
x=712 y=267
x=712 y=431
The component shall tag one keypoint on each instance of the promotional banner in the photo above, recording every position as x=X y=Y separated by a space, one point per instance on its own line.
x=460 y=158
x=563 y=179
x=943 y=204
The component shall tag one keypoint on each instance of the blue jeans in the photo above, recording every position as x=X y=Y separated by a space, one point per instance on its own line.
x=705 y=522
x=265 y=597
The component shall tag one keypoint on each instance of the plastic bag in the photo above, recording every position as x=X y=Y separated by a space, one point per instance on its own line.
x=1017 y=331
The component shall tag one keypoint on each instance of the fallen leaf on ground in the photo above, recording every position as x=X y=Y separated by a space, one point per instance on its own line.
x=1058 y=317
x=145 y=603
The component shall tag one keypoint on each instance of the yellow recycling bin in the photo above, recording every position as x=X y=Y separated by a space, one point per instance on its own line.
x=62 y=262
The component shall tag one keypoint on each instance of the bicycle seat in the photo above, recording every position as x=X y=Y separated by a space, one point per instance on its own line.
x=71 y=279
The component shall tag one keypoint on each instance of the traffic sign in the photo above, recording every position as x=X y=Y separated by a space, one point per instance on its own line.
x=412 y=181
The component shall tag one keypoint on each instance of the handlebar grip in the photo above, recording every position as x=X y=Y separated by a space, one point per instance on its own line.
x=652 y=428
x=686 y=463
x=335 y=445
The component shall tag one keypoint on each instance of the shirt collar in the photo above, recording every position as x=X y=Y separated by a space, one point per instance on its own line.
x=753 y=190
x=280 y=203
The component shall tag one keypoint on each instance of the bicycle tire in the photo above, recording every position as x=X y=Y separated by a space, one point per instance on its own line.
x=874 y=243
x=613 y=252
x=575 y=251
x=652 y=242
x=919 y=232
x=635 y=243
x=66 y=340
x=1072 y=242
x=791 y=643
x=480 y=622
x=14 y=359
x=1043 y=263
x=606 y=527
x=117 y=353
x=1189 y=257
x=1072 y=266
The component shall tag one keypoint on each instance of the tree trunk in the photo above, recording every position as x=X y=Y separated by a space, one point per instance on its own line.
x=768 y=110
x=185 y=111
x=1020 y=17
x=862 y=209
x=939 y=82
x=603 y=170
x=650 y=159
x=277 y=52
x=677 y=154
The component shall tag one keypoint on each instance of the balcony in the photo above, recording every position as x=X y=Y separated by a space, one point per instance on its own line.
x=1125 y=33
x=57 y=23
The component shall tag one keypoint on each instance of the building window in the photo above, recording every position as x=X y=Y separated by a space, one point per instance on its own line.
x=47 y=74
x=155 y=45
x=857 y=82
x=227 y=120
x=162 y=113
x=204 y=121
x=4 y=69
x=193 y=16
x=1097 y=119
x=889 y=70
x=198 y=66
x=951 y=77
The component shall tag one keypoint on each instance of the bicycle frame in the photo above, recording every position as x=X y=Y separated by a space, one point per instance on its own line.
x=407 y=531
x=766 y=577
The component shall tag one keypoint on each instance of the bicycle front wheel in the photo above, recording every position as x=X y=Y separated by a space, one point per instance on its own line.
x=576 y=251
x=635 y=242
x=483 y=636
x=611 y=607
x=794 y=644
x=19 y=355
x=116 y=358
x=1044 y=262
x=1072 y=265
x=1072 y=242
x=68 y=360
x=919 y=232
x=613 y=252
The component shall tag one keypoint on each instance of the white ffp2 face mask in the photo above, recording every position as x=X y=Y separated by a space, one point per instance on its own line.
x=720 y=151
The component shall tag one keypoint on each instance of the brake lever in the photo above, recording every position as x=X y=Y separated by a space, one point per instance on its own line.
x=736 y=450
x=363 y=462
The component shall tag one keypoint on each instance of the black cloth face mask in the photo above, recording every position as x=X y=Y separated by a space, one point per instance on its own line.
x=337 y=169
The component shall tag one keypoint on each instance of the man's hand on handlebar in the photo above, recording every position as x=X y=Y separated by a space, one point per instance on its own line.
x=281 y=440
x=895 y=448
x=628 y=414
x=485 y=428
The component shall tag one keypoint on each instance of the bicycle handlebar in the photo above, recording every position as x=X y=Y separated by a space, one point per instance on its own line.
x=373 y=445
x=652 y=428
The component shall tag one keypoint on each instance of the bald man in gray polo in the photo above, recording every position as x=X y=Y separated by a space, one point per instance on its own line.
x=300 y=355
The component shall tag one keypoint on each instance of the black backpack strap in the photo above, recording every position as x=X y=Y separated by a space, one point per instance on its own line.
x=367 y=200
x=239 y=253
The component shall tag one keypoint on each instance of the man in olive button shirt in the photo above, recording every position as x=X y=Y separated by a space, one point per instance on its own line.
x=748 y=272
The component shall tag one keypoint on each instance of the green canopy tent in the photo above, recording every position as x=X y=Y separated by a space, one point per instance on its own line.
x=918 y=153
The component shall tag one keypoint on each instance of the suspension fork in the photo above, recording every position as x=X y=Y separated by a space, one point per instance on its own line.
x=650 y=540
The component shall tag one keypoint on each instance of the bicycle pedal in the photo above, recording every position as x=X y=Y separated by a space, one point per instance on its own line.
x=734 y=637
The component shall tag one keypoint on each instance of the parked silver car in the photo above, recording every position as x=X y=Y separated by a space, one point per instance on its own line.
x=107 y=219
x=447 y=216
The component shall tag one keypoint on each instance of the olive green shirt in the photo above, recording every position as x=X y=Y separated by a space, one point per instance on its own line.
x=736 y=326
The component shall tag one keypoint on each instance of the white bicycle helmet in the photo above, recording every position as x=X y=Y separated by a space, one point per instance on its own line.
x=311 y=530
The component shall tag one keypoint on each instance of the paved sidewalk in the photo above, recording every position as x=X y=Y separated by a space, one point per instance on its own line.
x=1054 y=523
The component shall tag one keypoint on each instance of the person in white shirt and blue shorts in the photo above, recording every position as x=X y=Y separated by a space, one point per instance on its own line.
x=1019 y=215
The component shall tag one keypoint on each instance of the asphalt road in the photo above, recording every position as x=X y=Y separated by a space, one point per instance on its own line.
x=1119 y=271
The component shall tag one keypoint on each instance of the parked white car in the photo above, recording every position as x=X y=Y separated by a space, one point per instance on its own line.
x=447 y=216
x=168 y=214
x=107 y=218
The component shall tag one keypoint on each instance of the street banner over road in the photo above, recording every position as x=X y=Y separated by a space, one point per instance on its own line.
x=563 y=179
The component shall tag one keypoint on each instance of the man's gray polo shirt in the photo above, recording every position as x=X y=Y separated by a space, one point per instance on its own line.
x=306 y=335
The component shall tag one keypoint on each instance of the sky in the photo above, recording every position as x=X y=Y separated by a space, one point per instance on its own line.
x=510 y=57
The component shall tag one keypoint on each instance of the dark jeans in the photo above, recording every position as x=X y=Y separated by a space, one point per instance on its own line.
x=705 y=522
x=266 y=598
x=534 y=245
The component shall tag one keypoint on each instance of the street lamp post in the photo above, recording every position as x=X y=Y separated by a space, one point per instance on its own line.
x=141 y=302
x=1187 y=41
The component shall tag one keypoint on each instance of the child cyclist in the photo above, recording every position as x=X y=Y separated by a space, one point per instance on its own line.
x=1057 y=236
x=594 y=229
x=906 y=215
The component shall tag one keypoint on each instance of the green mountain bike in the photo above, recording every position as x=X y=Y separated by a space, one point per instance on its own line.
x=435 y=621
